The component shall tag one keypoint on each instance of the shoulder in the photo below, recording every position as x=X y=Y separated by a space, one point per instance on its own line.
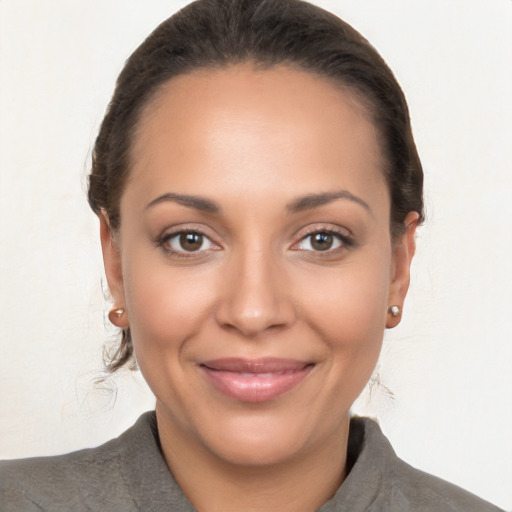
x=410 y=485
x=89 y=479
x=411 y=489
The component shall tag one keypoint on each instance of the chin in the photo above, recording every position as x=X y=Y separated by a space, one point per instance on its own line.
x=267 y=449
x=261 y=440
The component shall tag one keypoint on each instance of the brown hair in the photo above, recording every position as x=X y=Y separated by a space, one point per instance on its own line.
x=217 y=33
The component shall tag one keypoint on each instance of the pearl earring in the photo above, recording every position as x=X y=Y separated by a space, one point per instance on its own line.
x=394 y=310
x=115 y=314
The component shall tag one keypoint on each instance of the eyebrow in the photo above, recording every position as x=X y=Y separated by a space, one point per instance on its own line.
x=199 y=203
x=311 y=201
x=307 y=202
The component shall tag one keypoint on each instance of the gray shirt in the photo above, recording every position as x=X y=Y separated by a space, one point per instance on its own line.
x=129 y=474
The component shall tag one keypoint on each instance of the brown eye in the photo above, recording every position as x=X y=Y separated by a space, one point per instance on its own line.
x=322 y=241
x=191 y=241
x=188 y=242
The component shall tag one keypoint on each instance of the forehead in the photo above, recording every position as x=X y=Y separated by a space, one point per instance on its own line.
x=256 y=129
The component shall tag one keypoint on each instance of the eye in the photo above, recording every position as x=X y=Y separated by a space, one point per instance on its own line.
x=187 y=242
x=320 y=241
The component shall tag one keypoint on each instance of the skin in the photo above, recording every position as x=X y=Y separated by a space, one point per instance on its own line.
x=253 y=143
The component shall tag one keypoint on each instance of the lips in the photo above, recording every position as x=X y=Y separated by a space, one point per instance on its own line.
x=256 y=380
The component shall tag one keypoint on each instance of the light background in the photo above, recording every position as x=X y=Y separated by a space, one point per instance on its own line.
x=449 y=365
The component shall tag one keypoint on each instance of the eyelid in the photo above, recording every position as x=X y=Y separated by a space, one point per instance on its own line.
x=343 y=234
x=163 y=239
x=177 y=237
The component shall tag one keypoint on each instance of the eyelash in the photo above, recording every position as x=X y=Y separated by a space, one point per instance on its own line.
x=345 y=241
x=166 y=239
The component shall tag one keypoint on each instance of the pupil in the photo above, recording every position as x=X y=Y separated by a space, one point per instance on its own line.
x=322 y=241
x=191 y=241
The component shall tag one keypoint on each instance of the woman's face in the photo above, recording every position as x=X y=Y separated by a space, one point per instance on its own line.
x=254 y=260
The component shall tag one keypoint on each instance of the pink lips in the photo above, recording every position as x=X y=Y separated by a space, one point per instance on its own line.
x=255 y=380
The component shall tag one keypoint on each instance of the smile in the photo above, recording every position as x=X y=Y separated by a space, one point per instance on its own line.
x=255 y=380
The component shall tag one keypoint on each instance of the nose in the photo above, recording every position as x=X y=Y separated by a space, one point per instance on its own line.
x=256 y=298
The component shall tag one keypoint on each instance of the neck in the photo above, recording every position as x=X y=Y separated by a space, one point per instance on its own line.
x=304 y=482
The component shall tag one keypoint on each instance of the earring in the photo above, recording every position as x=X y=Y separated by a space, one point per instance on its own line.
x=115 y=314
x=394 y=310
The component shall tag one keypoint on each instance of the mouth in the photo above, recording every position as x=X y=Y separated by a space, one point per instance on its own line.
x=257 y=380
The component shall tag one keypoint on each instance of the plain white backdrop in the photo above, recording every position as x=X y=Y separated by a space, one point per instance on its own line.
x=448 y=365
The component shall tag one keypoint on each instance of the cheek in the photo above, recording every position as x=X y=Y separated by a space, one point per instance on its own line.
x=351 y=320
x=348 y=306
x=166 y=304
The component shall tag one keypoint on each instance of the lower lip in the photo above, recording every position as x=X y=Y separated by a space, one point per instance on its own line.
x=255 y=387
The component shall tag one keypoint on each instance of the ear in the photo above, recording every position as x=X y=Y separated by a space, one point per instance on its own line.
x=113 y=269
x=403 y=252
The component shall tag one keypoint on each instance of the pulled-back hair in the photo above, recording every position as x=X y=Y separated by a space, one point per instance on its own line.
x=219 y=33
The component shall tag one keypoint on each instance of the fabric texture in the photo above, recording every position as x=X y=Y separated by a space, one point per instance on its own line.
x=129 y=474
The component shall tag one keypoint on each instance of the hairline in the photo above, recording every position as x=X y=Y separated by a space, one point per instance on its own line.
x=356 y=97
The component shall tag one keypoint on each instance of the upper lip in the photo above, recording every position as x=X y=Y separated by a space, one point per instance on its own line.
x=264 y=365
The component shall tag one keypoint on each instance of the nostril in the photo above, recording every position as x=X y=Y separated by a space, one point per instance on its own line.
x=251 y=323
x=254 y=300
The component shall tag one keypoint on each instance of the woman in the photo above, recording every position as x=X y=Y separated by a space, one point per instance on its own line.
x=258 y=190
